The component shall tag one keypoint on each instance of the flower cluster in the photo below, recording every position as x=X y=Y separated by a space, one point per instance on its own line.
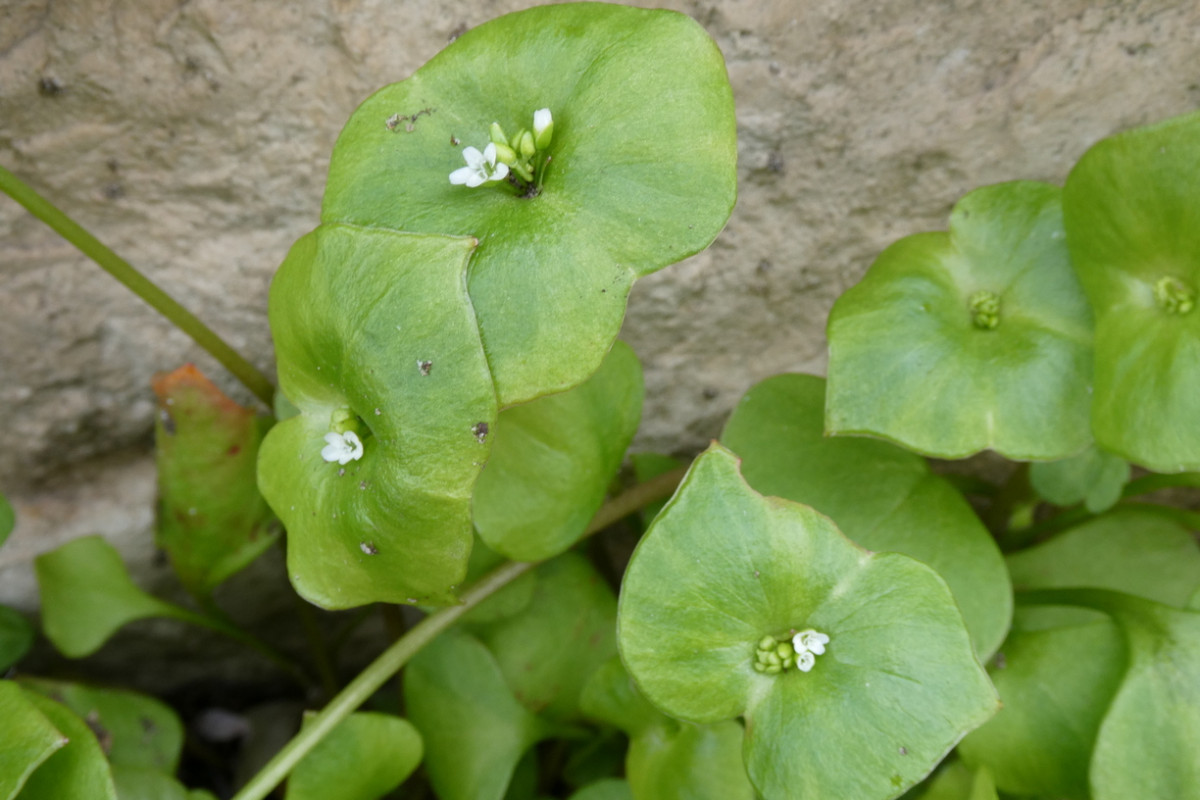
x=342 y=447
x=773 y=656
x=518 y=159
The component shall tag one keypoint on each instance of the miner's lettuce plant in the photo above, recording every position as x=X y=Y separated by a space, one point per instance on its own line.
x=807 y=615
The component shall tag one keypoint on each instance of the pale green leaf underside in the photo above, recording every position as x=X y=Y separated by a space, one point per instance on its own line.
x=378 y=323
x=643 y=173
x=908 y=363
x=366 y=756
x=1131 y=207
x=27 y=739
x=879 y=495
x=87 y=595
x=723 y=566
x=554 y=458
x=474 y=730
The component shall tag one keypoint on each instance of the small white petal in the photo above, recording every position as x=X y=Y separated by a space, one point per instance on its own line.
x=810 y=641
x=463 y=175
x=489 y=154
x=475 y=159
x=500 y=173
x=541 y=120
x=342 y=447
x=356 y=451
x=805 y=661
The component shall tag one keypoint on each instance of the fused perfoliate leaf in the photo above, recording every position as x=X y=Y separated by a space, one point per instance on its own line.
x=135 y=730
x=881 y=496
x=978 y=338
x=366 y=756
x=1094 y=478
x=638 y=172
x=1131 y=207
x=77 y=769
x=27 y=739
x=548 y=650
x=554 y=458
x=212 y=521
x=16 y=636
x=474 y=730
x=724 y=571
x=87 y=595
x=375 y=338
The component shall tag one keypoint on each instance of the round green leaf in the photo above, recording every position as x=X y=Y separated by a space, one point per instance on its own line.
x=87 y=595
x=474 y=730
x=643 y=172
x=1055 y=685
x=139 y=783
x=879 y=495
x=1094 y=478
x=16 y=637
x=723 y=567
x=548 y=650
x=977 y=338
x=956 y=781
x=374 y=332
x=366 y=756
x=609 y=789
x=27 y=739
x=78 y=769
x=212 y=521
x=554 y=458
x=1131 y=207
x=134 y=729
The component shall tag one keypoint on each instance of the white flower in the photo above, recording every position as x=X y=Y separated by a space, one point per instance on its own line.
x=805 y=661
x=342 y=447
x=480 y=168
x=543 y=127
x=809 y=641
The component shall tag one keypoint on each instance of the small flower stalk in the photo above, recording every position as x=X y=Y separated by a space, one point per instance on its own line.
x=520 y=160
x=773 y=656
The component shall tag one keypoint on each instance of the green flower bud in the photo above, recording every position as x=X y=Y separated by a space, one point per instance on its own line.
x=505 y=155
x=526 y=145
x=497 y=134
x=543 y=128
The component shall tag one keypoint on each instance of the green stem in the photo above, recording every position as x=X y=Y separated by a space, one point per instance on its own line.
x=139 y=284
x=226 y=627
x=1153 y=482
x=397 y=655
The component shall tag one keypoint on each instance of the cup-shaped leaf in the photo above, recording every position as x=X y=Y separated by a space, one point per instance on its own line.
x=881 y=496
x=27 y=739
x=134 y=729
x=548 y=650
x=474 y=730
x=642 y=172
x=972 y=339
x=554 y=458
x=375 y=339
x=87 y=595
x=77 y=769
x=722 y=569
x=1132 y=212
x=212 y=521
x=16 y=637
x=1094 y=478
x=366 y=756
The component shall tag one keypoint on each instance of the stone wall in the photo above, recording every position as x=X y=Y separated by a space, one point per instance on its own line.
x=193 y=137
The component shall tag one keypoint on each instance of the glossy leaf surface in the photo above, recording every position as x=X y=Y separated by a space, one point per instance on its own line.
x=643 y=172
x=474 y=730
x=548 y=650
x=27 y=739
x=1094 y=478
x=722 y=567
x=879 y=495
x=87 y=595
x=978 y=338
x=374 y=333
x=16 y=637
x=135 y=730
x=554 y=458
x=212 y=521
x=1132 y=213
x=366 y=756
x=77 y=769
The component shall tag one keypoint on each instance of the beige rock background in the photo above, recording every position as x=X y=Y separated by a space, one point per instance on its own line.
x=193 y=137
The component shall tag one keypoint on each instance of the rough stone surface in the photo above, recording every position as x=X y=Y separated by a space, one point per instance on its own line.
x=193 y=138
